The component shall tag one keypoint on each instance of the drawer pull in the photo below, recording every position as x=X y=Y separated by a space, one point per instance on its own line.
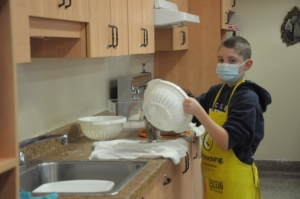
x=112 y=37
x=187 y=163
x=117 y=37
x=227 y=18
x=183 y=38
x=144 y=31
x=63 y=3
x=70 y=3
x=168 y=180
x=196 y=156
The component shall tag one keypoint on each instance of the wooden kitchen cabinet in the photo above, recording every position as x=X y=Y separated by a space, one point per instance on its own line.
x=169 y=39
x=162 y=186
x=227 y=8
x=231 y=5
x=194 y=69
x=141 y=26
x=177 y=181
x=150 y=191
x=196 y=170
x=224 y=14
x=35 y=20
x=71 y=10
x=108 y=28
x=9 y=172
x=167 y=182
x=189 y=175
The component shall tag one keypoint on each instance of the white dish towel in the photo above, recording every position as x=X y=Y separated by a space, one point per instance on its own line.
x=132 y=149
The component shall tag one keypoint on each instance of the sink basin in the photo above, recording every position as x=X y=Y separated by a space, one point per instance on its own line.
x=78 y=186
x=118 y=172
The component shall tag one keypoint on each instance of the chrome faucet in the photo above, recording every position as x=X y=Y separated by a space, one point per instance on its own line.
x=22 y=161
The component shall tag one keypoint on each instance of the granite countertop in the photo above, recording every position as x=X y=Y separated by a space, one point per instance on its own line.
x=80 y=148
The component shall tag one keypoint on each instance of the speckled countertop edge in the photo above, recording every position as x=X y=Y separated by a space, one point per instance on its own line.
x=80 y=148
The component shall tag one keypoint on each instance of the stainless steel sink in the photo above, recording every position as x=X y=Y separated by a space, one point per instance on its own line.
x=120 y=172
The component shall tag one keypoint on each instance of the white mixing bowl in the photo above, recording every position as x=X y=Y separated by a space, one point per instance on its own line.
x=102 y=127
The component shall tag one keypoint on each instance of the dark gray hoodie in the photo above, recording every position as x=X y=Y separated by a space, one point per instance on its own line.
x=245 y=123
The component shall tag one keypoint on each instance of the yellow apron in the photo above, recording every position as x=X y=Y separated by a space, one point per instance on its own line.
x=224 y=175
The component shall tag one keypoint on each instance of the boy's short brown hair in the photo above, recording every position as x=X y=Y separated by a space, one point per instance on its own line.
x=239 y=44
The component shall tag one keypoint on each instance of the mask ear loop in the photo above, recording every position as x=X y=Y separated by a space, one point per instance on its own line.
x=243 y=64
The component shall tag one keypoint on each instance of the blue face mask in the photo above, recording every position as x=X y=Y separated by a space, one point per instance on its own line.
x=229 y=72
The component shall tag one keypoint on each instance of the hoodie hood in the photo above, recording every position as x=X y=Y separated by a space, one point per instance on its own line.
x=263 y=95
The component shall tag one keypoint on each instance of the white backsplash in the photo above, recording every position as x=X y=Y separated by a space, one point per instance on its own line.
x=55 y=92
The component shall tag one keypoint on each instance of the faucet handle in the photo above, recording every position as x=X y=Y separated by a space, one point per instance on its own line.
x=21 y=157
x=64 y=140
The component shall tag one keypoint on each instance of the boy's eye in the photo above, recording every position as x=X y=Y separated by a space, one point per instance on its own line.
x=232 y=61
x=220 y=60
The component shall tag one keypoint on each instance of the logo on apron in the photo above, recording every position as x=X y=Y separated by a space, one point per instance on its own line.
x=208 y=142
x=216 y=186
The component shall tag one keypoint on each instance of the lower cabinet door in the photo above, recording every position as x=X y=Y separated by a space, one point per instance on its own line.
x=166 y=181
x=150 y=192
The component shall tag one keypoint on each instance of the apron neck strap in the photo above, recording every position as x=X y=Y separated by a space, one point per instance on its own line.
x=219 y=92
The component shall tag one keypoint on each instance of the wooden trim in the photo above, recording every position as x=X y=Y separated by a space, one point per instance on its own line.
x=7 y=164
x=42 y=27
x=57 y=47
x=9 y=175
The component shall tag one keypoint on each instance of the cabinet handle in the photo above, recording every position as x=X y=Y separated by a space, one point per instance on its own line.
x=227 y=17
x=233 y=5
x=70 y=3
x=187 y=163
x=112 y=37
x=183 y=38
x=144 y=44
x=117 y=37
x=63 y=3
x=169 y=180
x=146 y=37
x=195 y=156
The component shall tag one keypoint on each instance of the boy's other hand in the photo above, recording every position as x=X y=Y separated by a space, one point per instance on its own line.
x=191 y=106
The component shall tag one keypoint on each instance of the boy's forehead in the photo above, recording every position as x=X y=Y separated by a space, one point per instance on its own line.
x=228 y=52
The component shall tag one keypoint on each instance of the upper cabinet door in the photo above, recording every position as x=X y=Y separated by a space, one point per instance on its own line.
x=227 y=6
x=224 y=14
x=72 y=10
x=76 y=10
x=148 y=24
x=176 y=38
x=180 y=41
x=231 y=5
x=180 y=38
x=135 y=25
x=119 y=18
x=141 y=26
x=108 y=29
x=45 y=8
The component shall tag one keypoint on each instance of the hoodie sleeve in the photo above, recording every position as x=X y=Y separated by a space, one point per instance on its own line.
x=245 y=123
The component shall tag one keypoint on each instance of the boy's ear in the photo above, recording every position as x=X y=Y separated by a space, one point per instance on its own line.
x=248 y=64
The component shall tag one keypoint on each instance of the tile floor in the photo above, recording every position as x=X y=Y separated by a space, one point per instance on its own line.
x=280 y=184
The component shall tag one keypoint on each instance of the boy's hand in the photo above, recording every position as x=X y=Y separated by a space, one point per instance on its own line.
x=191 y=106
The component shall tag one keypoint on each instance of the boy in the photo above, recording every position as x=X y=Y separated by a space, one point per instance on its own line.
x=232 y=114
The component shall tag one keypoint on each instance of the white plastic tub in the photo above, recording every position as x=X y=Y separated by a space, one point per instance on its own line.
x=102 y=127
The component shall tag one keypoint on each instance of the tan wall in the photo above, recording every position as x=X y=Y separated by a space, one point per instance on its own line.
x=55 y=92
x=276 y=68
